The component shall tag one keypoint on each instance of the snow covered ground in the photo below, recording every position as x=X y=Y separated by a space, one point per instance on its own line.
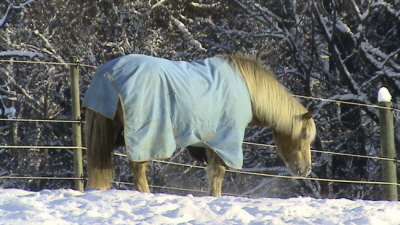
x=130 y=207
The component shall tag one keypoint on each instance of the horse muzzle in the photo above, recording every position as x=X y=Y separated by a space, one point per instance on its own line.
x=298 y=170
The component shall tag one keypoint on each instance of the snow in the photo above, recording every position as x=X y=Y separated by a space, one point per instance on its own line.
x=29 y=54
x=10 y=112
x=384 y=95
x=131 y=207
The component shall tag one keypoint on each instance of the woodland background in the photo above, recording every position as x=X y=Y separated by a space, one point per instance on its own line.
x=332 y=49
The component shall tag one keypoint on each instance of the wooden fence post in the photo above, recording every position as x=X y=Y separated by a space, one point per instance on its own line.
x=389 y=167
x=76 y=127
x=14 y=126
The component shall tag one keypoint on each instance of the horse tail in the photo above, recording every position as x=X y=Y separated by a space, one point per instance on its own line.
x=100 y=135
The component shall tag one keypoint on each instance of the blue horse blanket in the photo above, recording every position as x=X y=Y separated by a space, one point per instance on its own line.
x=169 y=104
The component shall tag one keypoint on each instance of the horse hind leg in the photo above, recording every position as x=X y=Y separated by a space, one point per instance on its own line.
x=99 y=143
x=215 y=173
x=139 y=170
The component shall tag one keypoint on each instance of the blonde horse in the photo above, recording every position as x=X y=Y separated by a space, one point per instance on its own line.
x=269 y=104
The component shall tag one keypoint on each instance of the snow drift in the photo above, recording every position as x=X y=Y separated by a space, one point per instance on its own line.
x=130 y=207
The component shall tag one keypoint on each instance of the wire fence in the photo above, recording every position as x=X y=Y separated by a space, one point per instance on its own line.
x=33 y=147
x=195 y=166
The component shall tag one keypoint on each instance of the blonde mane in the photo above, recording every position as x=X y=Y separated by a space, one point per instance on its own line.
x=273 y=105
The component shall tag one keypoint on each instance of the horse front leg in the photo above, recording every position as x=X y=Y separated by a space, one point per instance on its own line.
x=139 y=170
x=215 y=173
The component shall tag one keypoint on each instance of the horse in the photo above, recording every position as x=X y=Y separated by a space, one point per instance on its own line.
x=153 y=105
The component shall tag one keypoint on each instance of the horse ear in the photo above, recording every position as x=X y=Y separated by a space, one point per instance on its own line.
x=308 y=115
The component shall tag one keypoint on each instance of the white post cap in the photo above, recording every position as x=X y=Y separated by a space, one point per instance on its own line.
x=384 y=95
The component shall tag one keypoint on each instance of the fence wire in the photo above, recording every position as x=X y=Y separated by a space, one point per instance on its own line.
x=246 y=143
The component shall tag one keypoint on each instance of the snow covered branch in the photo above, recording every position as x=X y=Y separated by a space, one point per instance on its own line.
x=29 y=54
x=186 y=34
x=205 y=6
x=49 y=49
x=11 y=7
x=158 y=4
x=349 y=98
x=36 y=105
x=378 y=58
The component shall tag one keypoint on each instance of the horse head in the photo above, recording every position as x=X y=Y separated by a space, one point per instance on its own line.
x=295 y=150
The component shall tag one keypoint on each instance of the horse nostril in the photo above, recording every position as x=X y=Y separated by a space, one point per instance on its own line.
x=307 y=171
x=299 y=170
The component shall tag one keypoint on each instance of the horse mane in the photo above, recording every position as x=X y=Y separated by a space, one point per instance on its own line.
x=272 y=104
